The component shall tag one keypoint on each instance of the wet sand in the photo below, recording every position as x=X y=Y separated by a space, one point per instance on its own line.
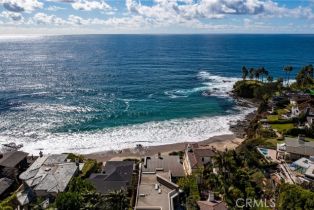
x=219 y=142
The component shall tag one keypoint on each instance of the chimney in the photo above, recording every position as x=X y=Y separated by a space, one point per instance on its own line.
x=77 y=162
x=211 y=197
x=40 y=154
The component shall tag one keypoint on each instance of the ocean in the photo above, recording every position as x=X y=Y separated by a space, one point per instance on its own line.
x=91 y=93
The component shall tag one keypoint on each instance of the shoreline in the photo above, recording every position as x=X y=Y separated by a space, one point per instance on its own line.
x=220 y=142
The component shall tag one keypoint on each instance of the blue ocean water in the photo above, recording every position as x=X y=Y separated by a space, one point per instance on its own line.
x=92 y=93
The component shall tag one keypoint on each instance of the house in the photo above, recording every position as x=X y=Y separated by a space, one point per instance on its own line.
x=295 y=112
x=304 y=166
x=212 y=204
x=46 y=177
x=165 y=163
x=309 y=121
x=195 y=157
x=6 y=185
x=156 y=191
x=115 y=175
x=298 y=98
x=297 y=148
x=12 y=163
x=155 y=187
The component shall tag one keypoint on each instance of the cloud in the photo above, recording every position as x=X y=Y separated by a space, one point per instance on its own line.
x=89 y=5
x=21 y=5
x=42 y=18
x=54 y=8
x=162 y=10
x=86 y=5
x=11 y=15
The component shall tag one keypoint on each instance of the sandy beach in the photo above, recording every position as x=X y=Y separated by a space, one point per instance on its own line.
x=219 y=142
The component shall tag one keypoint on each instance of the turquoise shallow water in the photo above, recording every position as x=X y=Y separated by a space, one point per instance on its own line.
x=98 y=92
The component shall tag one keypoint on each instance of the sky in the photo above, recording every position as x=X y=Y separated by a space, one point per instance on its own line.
x=155 y=16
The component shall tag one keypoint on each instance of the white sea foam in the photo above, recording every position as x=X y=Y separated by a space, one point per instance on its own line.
x=213 y=85
x=28 y=125
x=217 y=85
x=37 y=107
x=147 y=134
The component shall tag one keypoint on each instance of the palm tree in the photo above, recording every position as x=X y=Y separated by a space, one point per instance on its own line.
x=245 y=72
x=288 y=69
x=117 y=200
x=257 y=74
x=310 y=70
x=252 y=73
x=262 y=72
x=269 y=78
x=266 y=73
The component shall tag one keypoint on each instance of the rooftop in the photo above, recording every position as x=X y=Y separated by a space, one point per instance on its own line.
x=164 y=163
x=212 y=205
x=13 y=158
x=293 y=145
x=196 y=154
x=116 y=175
x=151 y=197
x=50 y=173
x=303 y=162
x=5 y=183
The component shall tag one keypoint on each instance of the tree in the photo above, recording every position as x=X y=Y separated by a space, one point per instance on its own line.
x=295 y=197
x=269 y=78
x=288 y=69
x=117 y=200
x=68 y=201
x=257 y=74
x=245 y=73
x=262 y=71
x=310 y=70
x=80 y=185
x=305 y=77
x=252 y=73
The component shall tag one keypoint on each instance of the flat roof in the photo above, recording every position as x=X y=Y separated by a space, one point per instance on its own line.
x=152 y=198
x=303 y=162
x=165 y=163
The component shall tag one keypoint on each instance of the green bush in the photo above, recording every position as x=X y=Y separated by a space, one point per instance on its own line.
x=74 y=157
x=90 y=166
x=295 y=197
x=68 y=201
x=245 y=88
x=8 y=203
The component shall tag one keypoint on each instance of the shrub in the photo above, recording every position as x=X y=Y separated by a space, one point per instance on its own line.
x=90 y=166
x=68 y=201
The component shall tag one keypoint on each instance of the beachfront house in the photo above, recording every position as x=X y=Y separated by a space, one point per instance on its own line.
x=48 y=176
x=164 y=163
x=196 y=157
x=155 y=187
x=115 y=175
x=12 y=164
x=296 y=148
